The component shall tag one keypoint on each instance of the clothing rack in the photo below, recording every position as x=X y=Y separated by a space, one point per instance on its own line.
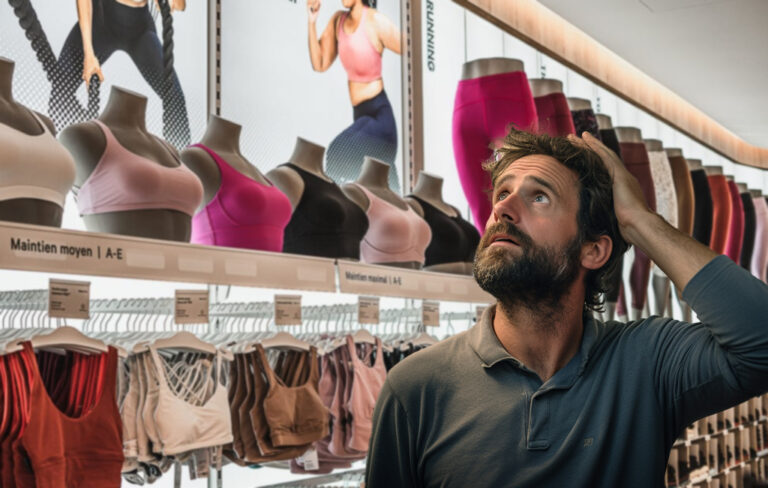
x=349 y=478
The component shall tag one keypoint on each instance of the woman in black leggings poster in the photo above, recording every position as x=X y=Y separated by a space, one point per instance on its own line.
x=358 y=36
x=104 y=27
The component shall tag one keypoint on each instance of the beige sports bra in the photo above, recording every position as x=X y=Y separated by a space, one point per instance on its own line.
x=34 y=166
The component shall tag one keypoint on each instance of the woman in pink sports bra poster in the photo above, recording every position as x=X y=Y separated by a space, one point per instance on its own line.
x=358 y=35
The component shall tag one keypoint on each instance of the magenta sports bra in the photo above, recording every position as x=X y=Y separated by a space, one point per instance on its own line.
x=394 y=235
x=123 y=180
x=244 y=213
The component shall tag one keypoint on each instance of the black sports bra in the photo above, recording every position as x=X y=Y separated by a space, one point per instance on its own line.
x=325 y=223
x=454 y=240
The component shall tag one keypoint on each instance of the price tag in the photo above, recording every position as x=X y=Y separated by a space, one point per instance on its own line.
x=430 y=313
x=69 y=299
x=479 y=311
x=309 y=460
x=368 y=310
x=287 y=309
x=191 y=307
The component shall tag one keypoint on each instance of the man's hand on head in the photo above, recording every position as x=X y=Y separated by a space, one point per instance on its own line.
x=628 y=200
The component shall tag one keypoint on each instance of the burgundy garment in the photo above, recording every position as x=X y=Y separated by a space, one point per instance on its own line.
x=635 y=159
x=736 y=231
x=554 y=115
x=721 y=212
x=584 y=120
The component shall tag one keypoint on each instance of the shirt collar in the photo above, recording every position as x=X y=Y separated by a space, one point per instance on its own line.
x=488 y=348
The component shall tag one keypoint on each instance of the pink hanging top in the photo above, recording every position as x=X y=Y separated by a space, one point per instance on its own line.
x=394 y=235
x=358 y=55
x=123 y=181
x=367 y=382
x=244 y=213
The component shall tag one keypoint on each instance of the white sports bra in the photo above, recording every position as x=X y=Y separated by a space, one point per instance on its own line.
x=34 y=166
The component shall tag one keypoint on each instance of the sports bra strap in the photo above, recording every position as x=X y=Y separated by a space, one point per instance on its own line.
x=261 y=355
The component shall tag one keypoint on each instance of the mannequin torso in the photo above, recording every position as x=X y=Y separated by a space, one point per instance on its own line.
x=20 y=118
x=125 y=116
x=654 y=145
x=674 y=152
x=629 y=134
x=307 y=156
x=489 y=66
x=695 y=163
x=545 y=86
x=579 y=104
x=223 y=138
x=374 y=176
x=604 y=121
x=430 y=189
x=713 y=170
x=756 y=193
x=742 y=187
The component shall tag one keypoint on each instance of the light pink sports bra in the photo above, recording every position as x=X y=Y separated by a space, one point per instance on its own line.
x=394 y=235
x=123 y=180
x=358 y=55
x=366 y=386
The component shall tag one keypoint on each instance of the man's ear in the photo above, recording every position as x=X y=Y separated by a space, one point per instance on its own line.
x=594 y=254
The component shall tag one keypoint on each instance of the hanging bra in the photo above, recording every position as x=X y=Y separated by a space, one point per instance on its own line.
x=34 y=166
x=454 y=240
x=366 y=385
x=244 y=213
x=325 y=222
x=124 y=181
x=182 y=426
x=60 y=448
x=394 y=235
x=358 y=55
x=295 y=414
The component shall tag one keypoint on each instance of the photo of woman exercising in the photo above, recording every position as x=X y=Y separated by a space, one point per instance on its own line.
x=103 y=27
x=359 y=36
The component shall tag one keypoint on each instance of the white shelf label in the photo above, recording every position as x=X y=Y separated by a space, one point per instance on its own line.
x=69 y=299
x=287 y=309
x=430 y=313
x=368 y=310
x=191 y=307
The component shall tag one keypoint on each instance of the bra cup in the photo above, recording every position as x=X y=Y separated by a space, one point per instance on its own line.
x=394 y=233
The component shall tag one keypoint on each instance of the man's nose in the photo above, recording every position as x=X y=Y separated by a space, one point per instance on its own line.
x=508 y=209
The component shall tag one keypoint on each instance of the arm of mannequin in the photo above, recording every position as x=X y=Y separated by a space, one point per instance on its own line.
x=201 y=163
x=388 y=32
x=322 y=52
x=91 y=64
x=48 y=122
x=356 y=195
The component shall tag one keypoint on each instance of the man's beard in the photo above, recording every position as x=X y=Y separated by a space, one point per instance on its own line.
x=537 y=279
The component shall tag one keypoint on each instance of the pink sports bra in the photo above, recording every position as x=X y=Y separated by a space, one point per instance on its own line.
x=123 y=180
x=394 y=235
x=244 y=213
x=366 y=386
x=359 y=56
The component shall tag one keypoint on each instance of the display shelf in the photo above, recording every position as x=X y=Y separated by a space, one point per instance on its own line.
x=714 y=474
x=706 y=437
x=50 y=250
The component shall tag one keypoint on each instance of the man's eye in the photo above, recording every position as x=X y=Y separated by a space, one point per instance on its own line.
x=541 y=198
x=502 y=195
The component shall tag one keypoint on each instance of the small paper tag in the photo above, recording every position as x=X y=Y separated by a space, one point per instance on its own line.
x=69 y=299
x=479 y=311
x=368 y=310
x=191 y=307
x=430 y=313
x=309 y=460
x=287 y=309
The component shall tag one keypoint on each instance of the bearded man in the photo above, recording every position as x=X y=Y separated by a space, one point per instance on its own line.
x=539 y=393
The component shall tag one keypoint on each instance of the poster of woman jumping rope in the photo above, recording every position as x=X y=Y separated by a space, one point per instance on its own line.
x=326 y=70
x=69 y=52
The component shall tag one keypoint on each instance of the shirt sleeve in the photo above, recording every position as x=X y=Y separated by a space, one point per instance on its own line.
x=720 y=362
x=391 y=453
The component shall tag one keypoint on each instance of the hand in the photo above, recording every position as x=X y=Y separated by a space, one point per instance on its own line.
x=628 y=200
x=178 y=5
x=91 y=67
x=313 y=8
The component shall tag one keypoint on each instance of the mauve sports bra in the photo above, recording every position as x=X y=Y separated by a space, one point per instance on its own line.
x=123 y=181
x=244 y=213
x=325 y=222
x=394 y=235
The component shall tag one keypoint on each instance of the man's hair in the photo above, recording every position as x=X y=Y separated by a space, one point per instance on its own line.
x=596 y=216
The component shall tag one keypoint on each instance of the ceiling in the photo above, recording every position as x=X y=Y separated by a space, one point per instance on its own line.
x=713 y=53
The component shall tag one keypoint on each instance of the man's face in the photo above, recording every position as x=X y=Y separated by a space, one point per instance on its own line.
x=531 y=252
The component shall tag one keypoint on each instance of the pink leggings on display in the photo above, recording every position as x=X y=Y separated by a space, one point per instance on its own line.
x=555 y=118
x=736 y=232
x=483 y=109
x=760 y=252
x=636 y=160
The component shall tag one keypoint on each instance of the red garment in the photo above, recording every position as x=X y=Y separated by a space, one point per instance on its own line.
x=554 y=114
x=721 y=212
x=736 y=233
x=65 y=452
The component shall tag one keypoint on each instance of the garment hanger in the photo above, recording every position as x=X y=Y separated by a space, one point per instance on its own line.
x=285 y=340
x=67 y=338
